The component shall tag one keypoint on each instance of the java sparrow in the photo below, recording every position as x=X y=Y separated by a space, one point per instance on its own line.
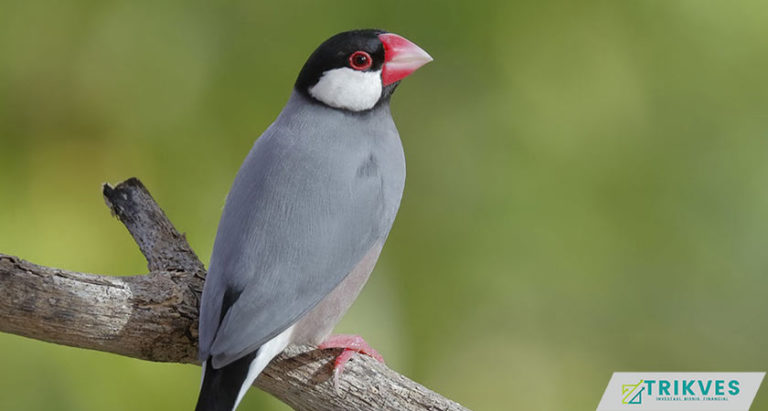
x=307 y=214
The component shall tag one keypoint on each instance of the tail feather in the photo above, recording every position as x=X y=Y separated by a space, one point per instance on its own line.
x=221 y=387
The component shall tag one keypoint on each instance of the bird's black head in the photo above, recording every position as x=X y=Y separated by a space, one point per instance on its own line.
x=357 y=49
x=355 y=70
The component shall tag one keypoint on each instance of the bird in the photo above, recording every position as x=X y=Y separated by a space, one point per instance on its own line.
x=307 y=215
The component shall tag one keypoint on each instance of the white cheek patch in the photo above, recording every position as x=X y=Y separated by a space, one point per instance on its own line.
x=348 y=89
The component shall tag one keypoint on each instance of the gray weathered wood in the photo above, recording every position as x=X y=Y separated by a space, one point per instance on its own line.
x=154 y=317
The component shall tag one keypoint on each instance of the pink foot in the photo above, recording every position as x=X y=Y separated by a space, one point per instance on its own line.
x=351 y=344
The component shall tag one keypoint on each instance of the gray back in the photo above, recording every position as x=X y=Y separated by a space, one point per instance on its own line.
x=318 y=189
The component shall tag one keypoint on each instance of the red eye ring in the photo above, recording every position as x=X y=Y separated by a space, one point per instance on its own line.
x=360 y=60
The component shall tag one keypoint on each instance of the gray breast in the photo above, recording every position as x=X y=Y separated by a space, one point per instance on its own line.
x=313 y=202
x=381 y=163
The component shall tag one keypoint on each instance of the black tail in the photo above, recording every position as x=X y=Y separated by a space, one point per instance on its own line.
x=221 y=386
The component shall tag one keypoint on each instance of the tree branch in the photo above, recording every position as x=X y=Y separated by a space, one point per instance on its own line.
x=154 y=317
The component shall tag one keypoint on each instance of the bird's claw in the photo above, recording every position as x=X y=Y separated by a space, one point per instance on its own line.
x=350 y=344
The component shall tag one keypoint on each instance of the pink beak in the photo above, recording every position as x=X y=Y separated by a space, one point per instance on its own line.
x=401 y=58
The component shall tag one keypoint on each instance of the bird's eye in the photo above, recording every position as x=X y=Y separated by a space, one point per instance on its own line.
x=360 y=60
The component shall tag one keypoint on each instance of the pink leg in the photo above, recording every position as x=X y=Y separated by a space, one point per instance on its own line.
x=350 y=344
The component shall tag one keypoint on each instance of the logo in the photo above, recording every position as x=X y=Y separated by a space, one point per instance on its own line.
x=681 y=391
x=633 y=393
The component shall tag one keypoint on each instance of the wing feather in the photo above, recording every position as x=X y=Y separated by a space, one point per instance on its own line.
x=299 y=216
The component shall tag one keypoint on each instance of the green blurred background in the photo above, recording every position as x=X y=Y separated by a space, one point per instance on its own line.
x=587 y=182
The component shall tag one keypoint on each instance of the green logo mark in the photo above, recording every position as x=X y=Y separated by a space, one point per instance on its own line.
x=633 y=393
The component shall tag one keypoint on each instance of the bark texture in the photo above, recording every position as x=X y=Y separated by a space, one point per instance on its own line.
x=154 y=317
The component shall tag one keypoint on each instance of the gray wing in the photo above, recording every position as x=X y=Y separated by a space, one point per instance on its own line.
x=299 y=216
